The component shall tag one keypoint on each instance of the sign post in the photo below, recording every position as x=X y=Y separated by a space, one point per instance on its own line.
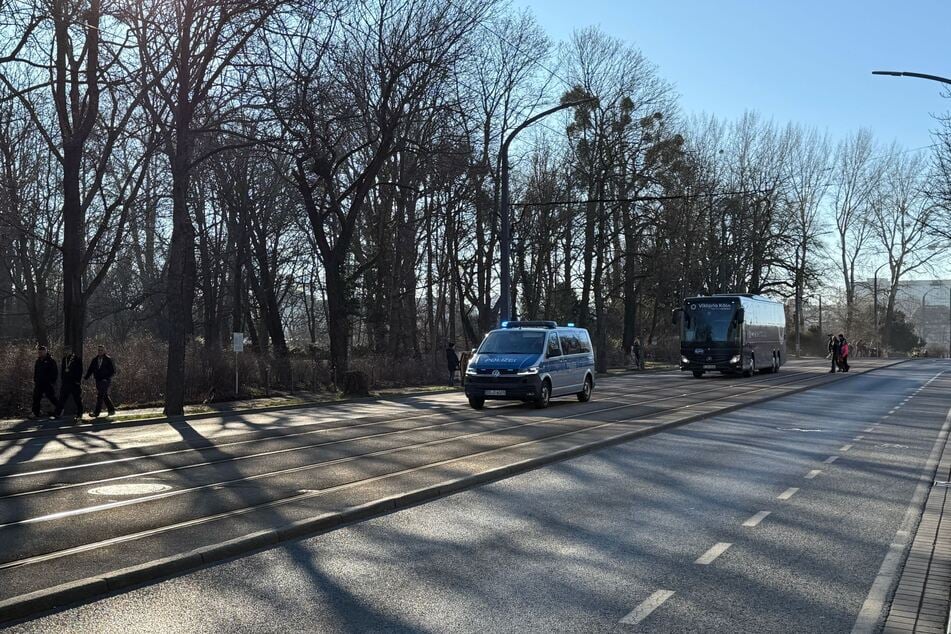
x=238 y=345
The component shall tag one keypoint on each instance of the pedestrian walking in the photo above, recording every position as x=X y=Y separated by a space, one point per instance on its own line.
x=452 y=362
x=843 y=353
x=44 y=380
x=636 y=359
x=102 y=369
x=834 y=350
x=71 y=386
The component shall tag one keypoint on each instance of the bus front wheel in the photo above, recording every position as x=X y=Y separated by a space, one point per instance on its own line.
x=697 y=374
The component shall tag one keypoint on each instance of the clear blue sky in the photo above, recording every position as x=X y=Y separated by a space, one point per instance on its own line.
x=790 y=60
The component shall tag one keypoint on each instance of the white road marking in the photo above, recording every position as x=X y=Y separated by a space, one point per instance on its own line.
x=788 y=493
x=892 y=411
x=858 y=438
x=868 y=429
x=831 y=459
x=845 y=447
x=756 y=519
x=644 y=610
x=813 y=473
x=708 y=557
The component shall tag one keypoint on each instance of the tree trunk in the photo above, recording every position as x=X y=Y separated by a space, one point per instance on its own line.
x=181 y=280
x=74 y=300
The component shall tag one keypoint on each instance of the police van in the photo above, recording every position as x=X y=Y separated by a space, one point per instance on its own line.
x=531 y=361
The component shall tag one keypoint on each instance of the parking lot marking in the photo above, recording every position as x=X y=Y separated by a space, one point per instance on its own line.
x=709 y=556
x=644 y=610
x=756 y=519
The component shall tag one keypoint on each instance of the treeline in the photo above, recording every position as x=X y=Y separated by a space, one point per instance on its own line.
x=325 y=177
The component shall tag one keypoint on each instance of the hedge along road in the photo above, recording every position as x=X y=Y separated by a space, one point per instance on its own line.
x=105 y=502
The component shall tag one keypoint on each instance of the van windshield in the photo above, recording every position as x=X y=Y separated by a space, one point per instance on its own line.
x=513 y=342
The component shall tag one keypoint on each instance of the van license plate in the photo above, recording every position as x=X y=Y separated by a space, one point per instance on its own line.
x=710 y=367
x=495 y=392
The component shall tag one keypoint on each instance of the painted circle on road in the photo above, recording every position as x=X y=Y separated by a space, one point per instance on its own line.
x=141 y=488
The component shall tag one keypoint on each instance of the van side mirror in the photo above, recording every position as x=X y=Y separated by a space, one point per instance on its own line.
x=473 y=351
x=740 y=315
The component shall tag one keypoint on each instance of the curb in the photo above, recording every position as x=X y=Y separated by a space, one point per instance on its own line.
x=29 y=605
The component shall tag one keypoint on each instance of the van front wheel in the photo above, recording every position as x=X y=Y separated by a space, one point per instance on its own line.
x=585 y=394
x=476 y=403
x=544 y=395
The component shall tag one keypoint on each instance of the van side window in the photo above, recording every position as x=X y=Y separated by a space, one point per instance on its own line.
x=585 y=342
x=570 y=343
x=554 y=349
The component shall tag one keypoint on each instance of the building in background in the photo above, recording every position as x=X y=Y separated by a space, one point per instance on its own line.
x=926 y=304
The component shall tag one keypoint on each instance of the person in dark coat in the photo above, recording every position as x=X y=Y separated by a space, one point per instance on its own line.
x=102 y=369
x=452 y=362
x=44 y=380
x=71 y=386
x=835 y=351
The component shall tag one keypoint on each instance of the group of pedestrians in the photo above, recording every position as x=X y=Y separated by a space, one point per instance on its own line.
x=839 y=353
x=45 y=374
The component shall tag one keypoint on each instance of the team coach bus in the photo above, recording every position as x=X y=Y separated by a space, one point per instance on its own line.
x=731 y=334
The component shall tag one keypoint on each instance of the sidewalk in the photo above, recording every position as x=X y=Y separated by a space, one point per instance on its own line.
x=923 y=597
x=148 y=415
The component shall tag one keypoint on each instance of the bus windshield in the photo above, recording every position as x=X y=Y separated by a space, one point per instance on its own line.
x=709 y=323
x=513 y=342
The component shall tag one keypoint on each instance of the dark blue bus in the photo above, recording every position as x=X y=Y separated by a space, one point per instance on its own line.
x=731 y=334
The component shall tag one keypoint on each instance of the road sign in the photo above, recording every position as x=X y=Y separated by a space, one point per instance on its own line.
x=239 y=342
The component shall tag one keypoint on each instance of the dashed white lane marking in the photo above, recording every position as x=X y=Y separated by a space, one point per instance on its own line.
x=892 y=411
x=709 y=556
x=868 y=429
x=756 y=519
x=845 y=447
x=644 y=610
x=831 y=459
x=813 y=473
x=788 y=493
x=858 y=438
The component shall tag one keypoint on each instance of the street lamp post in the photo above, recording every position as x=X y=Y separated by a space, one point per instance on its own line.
x=902 y=73
x=878 y=338
x=505 y=238
x=923 y=305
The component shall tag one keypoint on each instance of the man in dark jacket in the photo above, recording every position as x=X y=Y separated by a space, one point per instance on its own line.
x=102 y=369
x=44 y=379
x=71 y=387
x=835 y=350
x=452 y=362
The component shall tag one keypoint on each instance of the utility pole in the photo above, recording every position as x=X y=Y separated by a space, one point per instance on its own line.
x=505 y=237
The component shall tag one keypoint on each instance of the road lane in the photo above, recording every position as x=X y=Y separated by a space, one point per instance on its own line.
x=54 y=530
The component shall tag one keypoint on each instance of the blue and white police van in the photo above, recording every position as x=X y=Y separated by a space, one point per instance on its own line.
x=531 y=361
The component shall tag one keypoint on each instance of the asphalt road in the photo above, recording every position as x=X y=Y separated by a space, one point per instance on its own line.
x=581 y=545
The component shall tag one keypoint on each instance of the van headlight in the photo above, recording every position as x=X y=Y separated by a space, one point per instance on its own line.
x=735 y=359
x=527 y=371
x=471 y=371
x=685 y=360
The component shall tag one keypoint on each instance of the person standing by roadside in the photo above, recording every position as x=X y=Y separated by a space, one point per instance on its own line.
x=44 y=380
x=636 y=359
x=71 y=387
x=843 y=353
x=452 y=362
x=834 y=350
x=102 y=369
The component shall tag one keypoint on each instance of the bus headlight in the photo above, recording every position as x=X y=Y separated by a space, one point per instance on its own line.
x=735 y=359
x=527 y=371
